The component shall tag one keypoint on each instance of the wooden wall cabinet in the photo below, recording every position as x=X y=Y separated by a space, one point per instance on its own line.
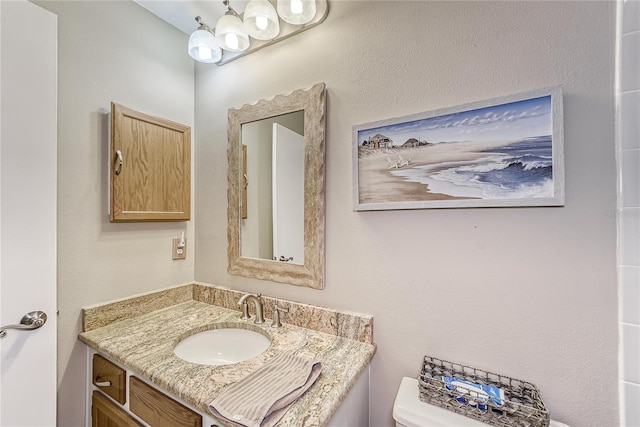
x=150 y=176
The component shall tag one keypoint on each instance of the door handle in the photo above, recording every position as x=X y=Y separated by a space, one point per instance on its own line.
x=120 y=162
x=29 y=322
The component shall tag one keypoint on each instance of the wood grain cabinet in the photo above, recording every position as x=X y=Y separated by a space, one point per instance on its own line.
x=150 y=177
x=157 y=409
x=105 y=413
x=109 y=378
x=147 y=406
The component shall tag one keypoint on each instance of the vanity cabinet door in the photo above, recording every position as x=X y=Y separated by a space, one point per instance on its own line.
x=105 y=414
x=157 y=409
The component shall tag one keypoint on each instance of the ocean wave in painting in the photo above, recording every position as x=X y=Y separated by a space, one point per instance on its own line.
x=523 y=169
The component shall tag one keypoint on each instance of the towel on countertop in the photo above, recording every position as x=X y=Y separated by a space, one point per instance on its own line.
x=260 y=399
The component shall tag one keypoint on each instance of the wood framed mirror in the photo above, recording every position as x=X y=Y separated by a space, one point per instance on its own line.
x=266 y=240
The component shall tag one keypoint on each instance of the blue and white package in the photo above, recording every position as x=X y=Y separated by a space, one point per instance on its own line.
x=475 y=392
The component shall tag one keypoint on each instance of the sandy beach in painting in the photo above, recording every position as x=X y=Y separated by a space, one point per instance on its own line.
x=378 y=184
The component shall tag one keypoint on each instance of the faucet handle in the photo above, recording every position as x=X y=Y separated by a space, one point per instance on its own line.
x=276 y=316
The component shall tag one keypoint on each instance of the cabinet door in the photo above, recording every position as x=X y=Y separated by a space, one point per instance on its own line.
x=106 y=414
x=157 y=409
x=151 y=168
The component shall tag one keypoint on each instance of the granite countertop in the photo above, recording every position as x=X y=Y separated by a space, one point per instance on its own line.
x=144 y=344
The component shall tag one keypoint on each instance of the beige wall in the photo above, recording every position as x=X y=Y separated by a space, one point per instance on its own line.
x=527 y=292
x=109 y=51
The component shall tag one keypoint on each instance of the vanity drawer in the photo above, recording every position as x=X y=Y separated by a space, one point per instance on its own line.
x=159 y=410
x=109 y=378
x=105 y=413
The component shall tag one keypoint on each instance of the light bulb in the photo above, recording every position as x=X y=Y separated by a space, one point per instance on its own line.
x=297 y=12
x=231 y=34
x=231 y=40
x=296 y=7
x=204 y=53
x=203 y=47
x=262 y=22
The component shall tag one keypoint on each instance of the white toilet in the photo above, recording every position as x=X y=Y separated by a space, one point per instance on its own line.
x=410 y=411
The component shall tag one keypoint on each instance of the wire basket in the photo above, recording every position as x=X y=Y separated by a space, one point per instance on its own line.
x=521 y=405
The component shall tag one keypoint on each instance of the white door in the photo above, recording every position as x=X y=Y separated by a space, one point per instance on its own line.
x=288 y=194
x=28 y=127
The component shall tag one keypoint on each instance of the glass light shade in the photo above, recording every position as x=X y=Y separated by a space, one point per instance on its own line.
x=261 y=20
x=297 y=12
x=203 y=47
x=231 y=35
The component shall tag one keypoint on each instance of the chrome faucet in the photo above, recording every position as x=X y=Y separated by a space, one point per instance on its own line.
x=244 y=300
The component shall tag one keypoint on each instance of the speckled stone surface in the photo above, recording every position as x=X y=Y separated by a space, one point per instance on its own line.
x=144 y=344
x=100 y=315
x=354 y=326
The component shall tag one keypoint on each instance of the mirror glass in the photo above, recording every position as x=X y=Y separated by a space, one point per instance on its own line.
x=272 y=202
x=276 y=188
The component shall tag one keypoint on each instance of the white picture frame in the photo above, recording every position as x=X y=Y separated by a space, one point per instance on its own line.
x=502 y=152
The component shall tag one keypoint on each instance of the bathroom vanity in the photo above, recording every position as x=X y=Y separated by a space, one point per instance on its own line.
x=134 y=373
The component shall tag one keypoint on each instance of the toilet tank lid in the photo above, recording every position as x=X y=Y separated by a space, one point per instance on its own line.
x=410 y=411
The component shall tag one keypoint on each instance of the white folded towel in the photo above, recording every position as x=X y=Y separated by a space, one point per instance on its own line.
x=260 y=399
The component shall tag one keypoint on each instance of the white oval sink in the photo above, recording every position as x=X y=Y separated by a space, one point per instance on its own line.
x=222 y=346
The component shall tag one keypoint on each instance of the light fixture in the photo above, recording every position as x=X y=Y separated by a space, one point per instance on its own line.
x=230 y=32
x=261 y=20
x=297 y=12
x=202 y=44
x=262 y=26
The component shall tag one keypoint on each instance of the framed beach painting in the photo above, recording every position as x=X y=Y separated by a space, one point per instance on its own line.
x=495 y=153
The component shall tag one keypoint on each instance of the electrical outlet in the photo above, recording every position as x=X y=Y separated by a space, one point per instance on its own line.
x=179 y=251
